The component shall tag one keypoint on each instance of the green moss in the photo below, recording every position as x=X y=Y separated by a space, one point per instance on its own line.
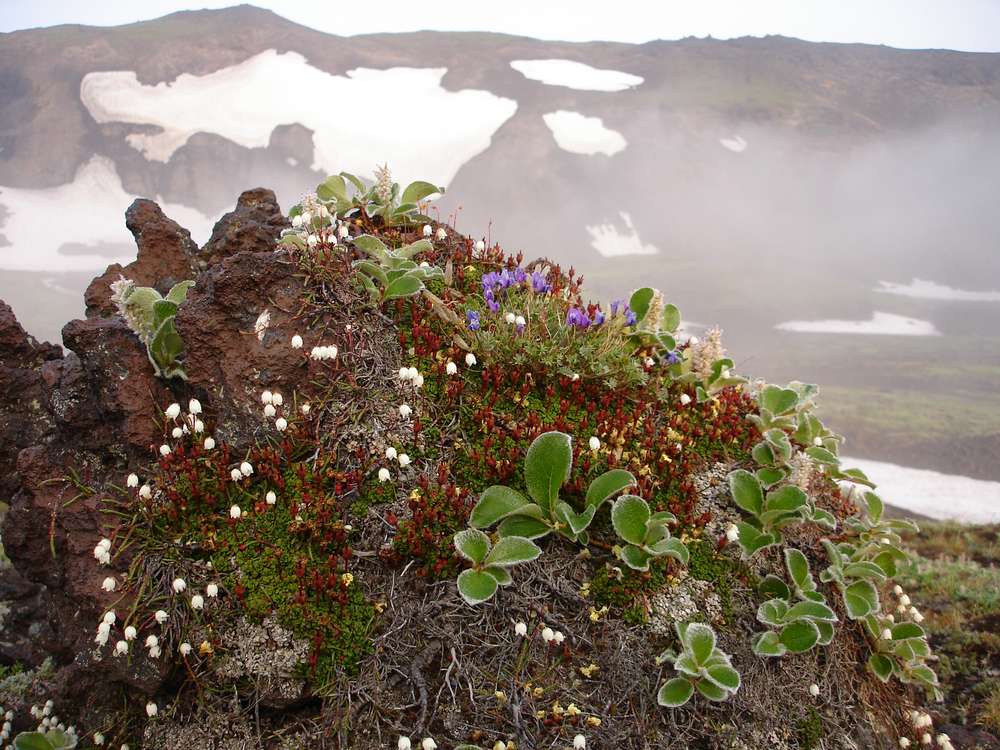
x=705 y=564
x=809 y=730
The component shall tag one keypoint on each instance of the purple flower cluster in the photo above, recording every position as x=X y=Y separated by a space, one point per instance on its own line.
x=577 y=317
x=621 y=305
x=472 y=318
x=539 y=284
x=496 y=284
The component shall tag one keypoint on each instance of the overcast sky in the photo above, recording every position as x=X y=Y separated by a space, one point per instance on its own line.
x=972 y=25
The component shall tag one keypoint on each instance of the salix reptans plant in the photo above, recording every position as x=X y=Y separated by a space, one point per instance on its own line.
x=701 y=665
x=769 y=513
x=796 y=626
x=389 y=274
x=704 y=365
x=384 y=198
x=51 y=739
x=656 y=323
x=645 y=533
x=785 y=415
x=490 y=563
x=901 y=650
x=547 y=466
x=151 y=317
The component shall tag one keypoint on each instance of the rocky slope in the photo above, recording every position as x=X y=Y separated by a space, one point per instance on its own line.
x=281 y=568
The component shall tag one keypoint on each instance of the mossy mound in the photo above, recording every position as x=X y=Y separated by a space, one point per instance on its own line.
x=314 y=532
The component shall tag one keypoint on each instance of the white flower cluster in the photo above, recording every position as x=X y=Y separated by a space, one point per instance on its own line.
x=102 y=552
x=272 y=403
x=391 y=454
x=8 y=717
x=905 y=606
x=548 y=634
x=323 y=353
x=924 y=724
x=411 y=375
x=46 y=718
x=190 y=424
x=427 y=743
x=244 y=470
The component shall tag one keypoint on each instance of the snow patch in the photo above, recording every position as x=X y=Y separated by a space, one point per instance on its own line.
x=921 y=289
x=579 y=134
x=931 y=493
x=737 y=144
x=881 y=323
x=610 y=242
x=575 y=75
x=355 y=117
x=93 y=206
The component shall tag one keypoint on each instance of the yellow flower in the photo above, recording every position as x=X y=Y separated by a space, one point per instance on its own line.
x=593 y=721
x=501 y=696
x=347 y=579
x=557 y=710
x=205 y=648
x=589 y=671
x=379 y=607
x=538 y=692
x=539 y=714
x=572 y=710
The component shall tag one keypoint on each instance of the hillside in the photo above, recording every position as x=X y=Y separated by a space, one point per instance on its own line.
x=350 y=478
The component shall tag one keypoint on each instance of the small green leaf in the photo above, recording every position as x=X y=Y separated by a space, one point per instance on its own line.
x=778 y=400
x=547 y=466
x=700 y=639
x=671 y=547
x=178 y=292
x=609 y=484
x=629 y=515
x=881 y=666
x=864 y=569
x=724 y=677
x=495 y=504
x=404 y=286
x=826 y=632
x=373 y=247
x=763 y=454
x=675 y=692
x=799 y=636
x=524 y=526
x=875 y=506
x=414 y=248
x=512 y=550
x=767 y=644
x=502 y=575
x=746 y=491
x=905 y=630
x=417 y=191
x=333 y=188
x=639 y=302
x=860 y=599
x=472 y=544
x=712 y=691
x=812 y=611
x=31 y=741
x=773 y=587
x=772 y=612
x=634 y=557
x=822 y=455
x=787 y=498
x=476 y=586
x=798 y=569
x=769 y=477
x=671 y=318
